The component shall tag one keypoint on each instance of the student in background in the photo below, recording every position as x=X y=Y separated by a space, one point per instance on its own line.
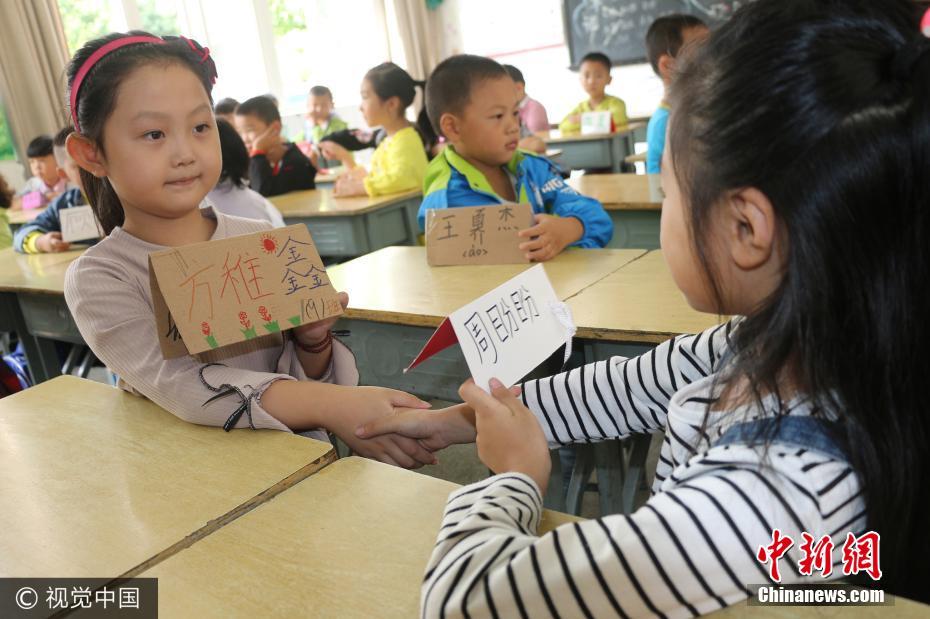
x=805 y=416
x=6 y=201
x=232 y=195
x=532 y=113
x=664 y=40
x=276 y=166
x=43 y=234
x=473 y=103
x=226 y=109
x=594 y=73
x=147 y=144
x=399 y=161
x=45 y=180
x=322 y=120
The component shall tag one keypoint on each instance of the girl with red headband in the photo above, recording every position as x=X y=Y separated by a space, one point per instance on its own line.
x=149 y=151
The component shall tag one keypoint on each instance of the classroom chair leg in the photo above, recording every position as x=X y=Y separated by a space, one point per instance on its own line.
x=639 y=450
x=87 y=362
x=581 y=473
x=555 y=495
x=71 y=360
x=610 y=464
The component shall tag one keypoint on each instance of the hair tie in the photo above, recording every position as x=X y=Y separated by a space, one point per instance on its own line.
x=204 y=53
x=907 y=57
x=94 y=58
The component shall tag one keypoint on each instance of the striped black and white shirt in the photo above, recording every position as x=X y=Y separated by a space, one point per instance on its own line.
x=691 y=549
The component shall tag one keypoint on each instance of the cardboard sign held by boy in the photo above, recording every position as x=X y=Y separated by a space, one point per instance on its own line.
x=477 y=234
x=218 y=293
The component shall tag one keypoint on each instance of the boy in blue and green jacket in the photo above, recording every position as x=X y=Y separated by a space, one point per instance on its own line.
x=473 y=102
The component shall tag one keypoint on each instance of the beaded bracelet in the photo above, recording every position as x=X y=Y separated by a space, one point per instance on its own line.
x=316 y=348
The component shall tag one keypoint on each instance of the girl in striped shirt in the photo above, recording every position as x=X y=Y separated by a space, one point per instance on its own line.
x=796 y=198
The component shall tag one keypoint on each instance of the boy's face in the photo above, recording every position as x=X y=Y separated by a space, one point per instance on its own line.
x=250 y=128
x=44 y=168
x=67 y=168
x=594 y=78
x=488 y=128
x=319 y=108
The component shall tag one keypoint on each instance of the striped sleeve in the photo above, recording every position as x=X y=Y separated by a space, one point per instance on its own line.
x=690 y=550
x=618 y=397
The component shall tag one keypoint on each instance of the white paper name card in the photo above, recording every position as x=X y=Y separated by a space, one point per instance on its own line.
x=595 y=122
x=507 y=332
x=79 y=223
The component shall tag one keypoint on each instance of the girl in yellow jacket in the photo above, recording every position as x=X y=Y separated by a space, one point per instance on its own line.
x=399 y=161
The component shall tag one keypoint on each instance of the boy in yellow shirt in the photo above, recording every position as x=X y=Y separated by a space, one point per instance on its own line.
x=594 y=74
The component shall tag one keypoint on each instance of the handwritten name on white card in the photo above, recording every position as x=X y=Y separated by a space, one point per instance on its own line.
x=595 y=122
x=78 y=223
x=507 y=332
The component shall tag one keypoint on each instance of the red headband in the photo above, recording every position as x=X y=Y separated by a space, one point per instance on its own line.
x=102 y=51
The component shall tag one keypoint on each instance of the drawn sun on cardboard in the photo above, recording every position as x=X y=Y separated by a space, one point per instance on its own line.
x=269 y=244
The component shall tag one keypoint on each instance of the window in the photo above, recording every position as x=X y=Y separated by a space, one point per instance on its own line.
x=328 y=42
x=84 y=20
x=7 y=152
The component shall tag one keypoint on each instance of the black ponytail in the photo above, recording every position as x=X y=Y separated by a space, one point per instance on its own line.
x=389 y=80
x=824 y=106
x=97 y=93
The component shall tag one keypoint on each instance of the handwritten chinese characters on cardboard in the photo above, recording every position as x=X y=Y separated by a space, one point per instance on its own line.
x=212 y=294
x=477 y=234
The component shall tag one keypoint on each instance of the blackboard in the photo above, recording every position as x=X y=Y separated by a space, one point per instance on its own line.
x=618 y=27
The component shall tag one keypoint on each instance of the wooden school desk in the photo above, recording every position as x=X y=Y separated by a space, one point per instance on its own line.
x=328 y=178
x=22 y=217
x=602 y=150
x=347 y=227
x=352 y=540
x=96 y=482
x=32 y=295
x=634 y=203
x=396 y=300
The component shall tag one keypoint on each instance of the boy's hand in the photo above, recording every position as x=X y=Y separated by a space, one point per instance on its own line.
x=51 y=242
x=268 y=140
x=510 y=438
x=550 y=236
x=313 y=333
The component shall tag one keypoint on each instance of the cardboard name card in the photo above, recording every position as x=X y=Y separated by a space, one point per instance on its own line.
x=507 y=332
x=213 y=294
x=477 y=234
x=79 y=223
x=596 y=122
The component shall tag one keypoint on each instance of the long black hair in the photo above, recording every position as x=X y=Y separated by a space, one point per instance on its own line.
x=389 y=80
x=235 y=155
x=824 y=106
x=97 y=96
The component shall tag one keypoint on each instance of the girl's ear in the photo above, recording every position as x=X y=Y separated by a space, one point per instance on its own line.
x=86 y=154
x=666 y=65
x=751 y=229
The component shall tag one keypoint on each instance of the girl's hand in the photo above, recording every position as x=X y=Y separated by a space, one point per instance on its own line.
x=349 y=185
x=509 y=436
x=331 y=150
x=313 y=333
x=550 y=236
x=435 y=430
x=360 y=405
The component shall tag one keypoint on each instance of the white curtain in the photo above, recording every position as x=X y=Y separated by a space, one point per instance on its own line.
x=33 y=57
x=418 y=29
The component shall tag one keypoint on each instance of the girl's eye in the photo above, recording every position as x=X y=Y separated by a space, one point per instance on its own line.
x=154 y=135
x=498 y=116
x=202 y=128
